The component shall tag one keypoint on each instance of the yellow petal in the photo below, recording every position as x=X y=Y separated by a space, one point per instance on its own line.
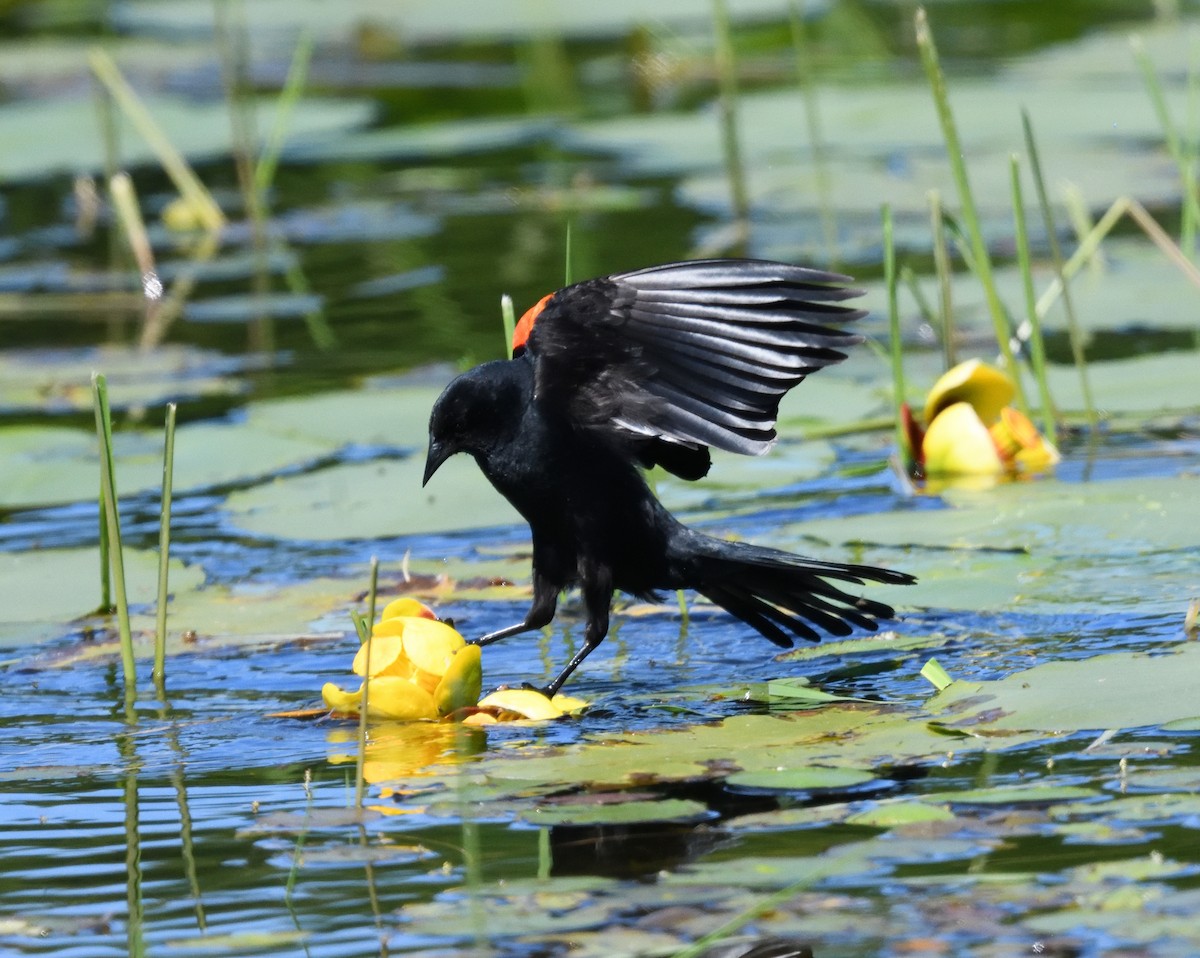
x=339 y=700
x=392 y=626
x=984 y=387
x=462 y=683
x=430 y=645
x=527 y=703
x=1019 y=441
x=387 y=657
x=406 y=606
x=392 y=697
x=957 y=443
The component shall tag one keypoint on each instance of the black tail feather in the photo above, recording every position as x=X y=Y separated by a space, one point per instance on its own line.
x=777 y=593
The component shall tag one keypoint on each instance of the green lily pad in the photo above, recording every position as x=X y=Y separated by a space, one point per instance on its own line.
x=897 y=814
x=42 y=590
x=617 y=813
x=1013 y=795
x=370 y=500
x=53 y=465
x=43 y=136
x=1118 y=690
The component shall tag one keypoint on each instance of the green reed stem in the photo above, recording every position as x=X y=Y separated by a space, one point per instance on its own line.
x=164 y=553
x=897 y=348
x=195 y=194
x=941 y=266
x=1183 y=155
x=365 y=637
x=373 y=591
x=1037 y=348
x=1074 y=330
x=907 y=277
x=129 y=215
x=730 y=140
x=289 y=96
x=106 y=602
x=108 y=484
x=509 y=318
x=970 y=214
x=802 y=49
x=568 y=265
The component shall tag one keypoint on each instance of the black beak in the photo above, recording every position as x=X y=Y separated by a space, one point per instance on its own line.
x=438 y=453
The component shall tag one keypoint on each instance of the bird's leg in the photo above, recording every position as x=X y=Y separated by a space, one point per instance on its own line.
x=597 y=598
x=545 y=601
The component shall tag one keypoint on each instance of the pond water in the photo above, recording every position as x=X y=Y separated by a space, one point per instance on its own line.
x=1045 y=802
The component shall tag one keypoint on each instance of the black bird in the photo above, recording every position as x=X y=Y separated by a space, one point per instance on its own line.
x=649 y=368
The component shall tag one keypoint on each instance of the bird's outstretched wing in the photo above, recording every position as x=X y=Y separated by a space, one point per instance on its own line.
x=678 y=357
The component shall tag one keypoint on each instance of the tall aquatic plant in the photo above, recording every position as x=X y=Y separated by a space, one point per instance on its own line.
x=981 y=258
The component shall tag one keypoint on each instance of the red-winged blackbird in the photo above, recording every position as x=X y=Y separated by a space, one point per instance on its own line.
x=652 y=368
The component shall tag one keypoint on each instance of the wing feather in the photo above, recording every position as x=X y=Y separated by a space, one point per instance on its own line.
x=698 y=353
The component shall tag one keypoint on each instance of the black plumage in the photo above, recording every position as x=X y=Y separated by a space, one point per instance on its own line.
x=647 y=368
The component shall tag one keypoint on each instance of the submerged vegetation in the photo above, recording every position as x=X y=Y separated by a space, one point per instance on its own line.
x=388 y=181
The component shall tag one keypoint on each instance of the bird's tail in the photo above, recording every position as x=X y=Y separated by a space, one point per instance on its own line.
x=780 y=594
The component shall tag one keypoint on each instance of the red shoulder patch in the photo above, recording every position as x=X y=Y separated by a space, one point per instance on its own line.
x=525 y=326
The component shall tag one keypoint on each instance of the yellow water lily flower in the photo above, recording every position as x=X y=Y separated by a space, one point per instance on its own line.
x=970 y=430
x=420 y=668
x=414 y=669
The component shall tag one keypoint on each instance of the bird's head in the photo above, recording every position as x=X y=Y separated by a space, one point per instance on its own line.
x=477 y=411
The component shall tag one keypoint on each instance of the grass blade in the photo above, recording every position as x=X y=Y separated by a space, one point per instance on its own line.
x=1037 y=348
x=373 y=590
x=1183 y=156
x=205 y=208
x=509 y=318
x=970 y=215
x=164 y=554
x=113 y=520
x=730 y=141
x=289 y=96
x=941 y=265
x=897 y=348
x=802 y=49
x=1074 y=332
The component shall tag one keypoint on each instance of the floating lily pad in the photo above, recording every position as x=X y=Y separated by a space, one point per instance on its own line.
x=372 y=500
x=44 y=136
x=42 y=591
x=1118 y=690
x=897 y=814
x=617 y=813
x=53 y=465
